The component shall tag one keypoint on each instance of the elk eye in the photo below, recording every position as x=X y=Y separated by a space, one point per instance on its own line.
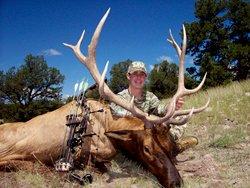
x=146 y=149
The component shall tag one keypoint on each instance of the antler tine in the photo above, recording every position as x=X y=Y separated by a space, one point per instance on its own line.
x=136 y=113
x=184 y=44
x=133 y=110
x=77 y=49
x=101 y=84
x=181 y=84
x=90 y=60
x=95 y=38
x=181 y=121
x=173 y=42
x=170 y=110
x=196 y=110
x=191 y=91
x=132 y=104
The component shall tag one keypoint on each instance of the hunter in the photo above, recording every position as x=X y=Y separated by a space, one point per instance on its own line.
x=149 y=103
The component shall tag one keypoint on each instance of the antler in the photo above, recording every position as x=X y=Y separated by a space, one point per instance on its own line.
x=182 y=91
x=90 y=62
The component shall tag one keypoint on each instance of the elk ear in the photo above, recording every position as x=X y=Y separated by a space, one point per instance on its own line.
x=124 y=135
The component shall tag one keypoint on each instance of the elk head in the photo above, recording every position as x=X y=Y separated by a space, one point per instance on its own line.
x=146 y=144
x=143 y=146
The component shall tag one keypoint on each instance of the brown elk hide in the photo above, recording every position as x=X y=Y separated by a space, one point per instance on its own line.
x=42 y=137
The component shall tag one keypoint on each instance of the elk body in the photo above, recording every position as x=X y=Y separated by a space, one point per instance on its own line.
x=145 y=137
x=42 y=139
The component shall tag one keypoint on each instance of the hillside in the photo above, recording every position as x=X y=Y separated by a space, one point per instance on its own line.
x=221 y=159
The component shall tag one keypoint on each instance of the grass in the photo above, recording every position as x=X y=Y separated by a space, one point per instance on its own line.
x=192 y=183
x=30 y=179
x=125 y=173
x=223 y=132
x=227 y=118
x=228 y=103
x=39 y=177
x=230 y=138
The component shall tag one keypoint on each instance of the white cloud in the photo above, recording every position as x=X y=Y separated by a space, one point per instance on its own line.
x=151 y=67
x=163 y=58
x=51 y=52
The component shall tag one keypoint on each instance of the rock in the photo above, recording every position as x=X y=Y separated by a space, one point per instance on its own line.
x=204 y=167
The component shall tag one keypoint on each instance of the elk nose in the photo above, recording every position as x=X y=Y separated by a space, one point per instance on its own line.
x=175 y=181
x=175 y=184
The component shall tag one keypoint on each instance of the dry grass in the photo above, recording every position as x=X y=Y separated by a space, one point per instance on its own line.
x=223 y=133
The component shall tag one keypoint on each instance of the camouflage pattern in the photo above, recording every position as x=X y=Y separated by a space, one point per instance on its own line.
x=137 y=66
x=149 y=103
x=177 y=131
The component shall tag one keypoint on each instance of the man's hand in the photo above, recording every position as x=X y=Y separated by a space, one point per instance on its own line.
x=179 y=103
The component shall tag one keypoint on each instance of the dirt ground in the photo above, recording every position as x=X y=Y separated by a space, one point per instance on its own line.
x=201 y=167
x=198 y=167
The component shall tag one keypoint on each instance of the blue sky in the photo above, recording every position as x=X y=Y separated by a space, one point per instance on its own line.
x=134 y=29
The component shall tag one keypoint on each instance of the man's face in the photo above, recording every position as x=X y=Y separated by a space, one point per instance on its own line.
x=137 y=79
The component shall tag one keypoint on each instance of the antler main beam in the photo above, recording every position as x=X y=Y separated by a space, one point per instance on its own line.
x=89 y=61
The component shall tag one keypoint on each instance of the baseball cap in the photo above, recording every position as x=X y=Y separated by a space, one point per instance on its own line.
x=137 y=66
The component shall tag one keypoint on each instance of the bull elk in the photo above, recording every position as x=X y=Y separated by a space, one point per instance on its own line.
x=145 y=137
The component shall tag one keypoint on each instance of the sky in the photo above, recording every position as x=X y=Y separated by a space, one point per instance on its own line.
x=134 y=29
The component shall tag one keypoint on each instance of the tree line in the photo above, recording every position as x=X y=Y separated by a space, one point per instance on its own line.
x=30 y=90
x=218 y=40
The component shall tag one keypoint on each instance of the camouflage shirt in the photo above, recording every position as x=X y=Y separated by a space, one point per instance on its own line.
x=149 y=103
